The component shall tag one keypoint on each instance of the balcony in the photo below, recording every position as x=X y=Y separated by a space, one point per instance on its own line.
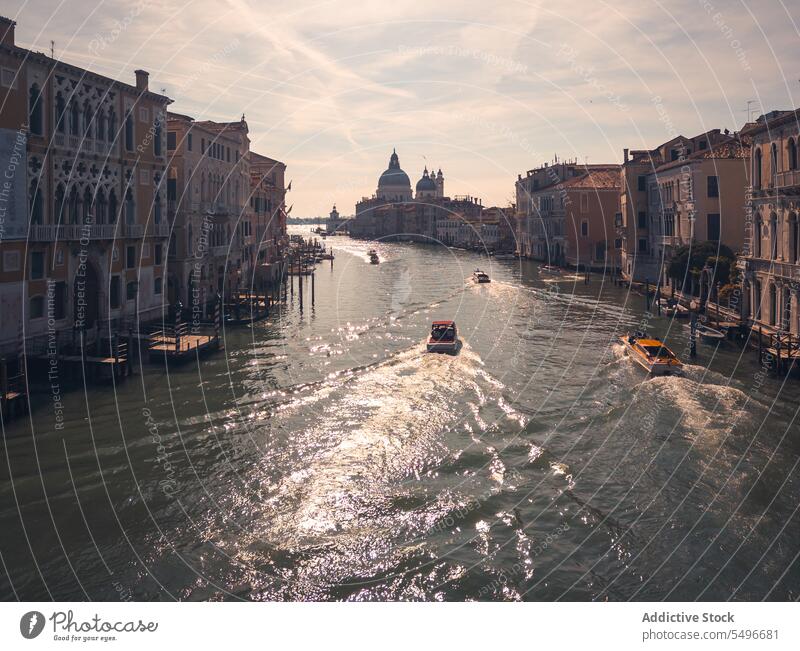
x=671 y=240
x=160 y=230
x=787 y=179
x=133 y=230
x=774 y=268
x=71 y=232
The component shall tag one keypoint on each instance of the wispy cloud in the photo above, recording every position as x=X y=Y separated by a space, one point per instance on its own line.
x=330 y=87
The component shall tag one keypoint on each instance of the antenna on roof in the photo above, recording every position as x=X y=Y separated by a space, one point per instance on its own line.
x=748 y=110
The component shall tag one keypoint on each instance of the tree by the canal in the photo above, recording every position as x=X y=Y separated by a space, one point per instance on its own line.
x=689 y=261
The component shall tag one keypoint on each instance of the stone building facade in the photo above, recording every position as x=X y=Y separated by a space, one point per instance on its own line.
x=84 y=233
x=771 y=261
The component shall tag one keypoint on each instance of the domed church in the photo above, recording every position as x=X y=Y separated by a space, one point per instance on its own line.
x=394 y=185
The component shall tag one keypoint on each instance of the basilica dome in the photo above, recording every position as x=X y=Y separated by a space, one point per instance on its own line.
x=426 y=183
x=394 y=184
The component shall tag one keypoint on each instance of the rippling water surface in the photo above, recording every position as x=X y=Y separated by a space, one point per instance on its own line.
x=324 y=455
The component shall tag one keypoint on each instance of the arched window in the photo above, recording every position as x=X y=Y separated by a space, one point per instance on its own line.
x=101 y=125
x=773 y=305
x=74 y=119
x=157 y=137
x=157 y=208
x=757 y=169
x=112 y=125
x=792 y=147
x=112 y=207
x=757 y=234
x=129 y=131
x=130 y=208
x=773 y=236
x=794 y=238
x=100 y=207
x=61 y=118
x=60 y=204
x=74 y=206
x=36 y=207
x=35 y=110
x=86 y=205
x=87 y=120
x=773 y=163
x=757 y=300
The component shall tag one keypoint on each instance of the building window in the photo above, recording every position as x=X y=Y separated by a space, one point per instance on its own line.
x=35 y=110
x=618 y=243
x=584 y=202
x=59 y=300
x=773 y=163
x=36 y=310
x=713 y=227
x=642 y=245
x=641 y=181
x=157 y=286
x=129 y=132
x=36 y=204
x=11 y=260
x=130 y=290
x=157 y=138
x=713 y=186
x=61 y=110
x=130 y=257
x=792 y=146
x=584 y=228
x=144 y=114
x=157 y=254
x=113 y=294
x=171 y=140
x=703 y=144
x=757 y=169
x=202 y=145
x=189 y=142
x=37 y=265
x=9 y=78
x=641 y=219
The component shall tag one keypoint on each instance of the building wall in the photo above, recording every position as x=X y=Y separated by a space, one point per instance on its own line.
x=71 y=258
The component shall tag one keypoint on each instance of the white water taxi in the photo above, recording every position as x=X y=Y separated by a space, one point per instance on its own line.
x=549 y=269
x=443 y=337
x=480 y=276
x=651 y=354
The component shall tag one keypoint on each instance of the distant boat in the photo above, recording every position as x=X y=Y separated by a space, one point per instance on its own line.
x=550 y=269
x=480 y=276
x=505 y=256
x=373 y=258
x=651 y=354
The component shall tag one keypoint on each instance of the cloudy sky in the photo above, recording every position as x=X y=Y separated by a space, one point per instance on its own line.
x=483 y=90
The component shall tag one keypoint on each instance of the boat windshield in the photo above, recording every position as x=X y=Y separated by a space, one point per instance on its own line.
x=657 y=351
x=443 y=333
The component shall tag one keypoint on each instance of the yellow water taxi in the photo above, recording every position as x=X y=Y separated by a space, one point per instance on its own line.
x=651 y=354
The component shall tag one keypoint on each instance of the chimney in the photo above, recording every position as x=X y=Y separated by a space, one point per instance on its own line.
x=141 y=80
x=7 y=31
x=624 y=155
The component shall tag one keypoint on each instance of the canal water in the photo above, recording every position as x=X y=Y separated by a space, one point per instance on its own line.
x=325 y=456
